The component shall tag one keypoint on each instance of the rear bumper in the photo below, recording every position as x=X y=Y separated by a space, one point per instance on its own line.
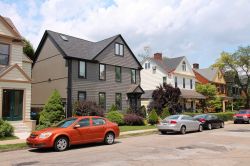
x=39 y=143
x=241 y=120
x=174 y=128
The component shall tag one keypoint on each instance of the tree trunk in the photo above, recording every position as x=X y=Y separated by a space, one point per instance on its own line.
x=247 y=98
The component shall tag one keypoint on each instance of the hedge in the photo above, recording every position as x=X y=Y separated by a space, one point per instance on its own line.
x=226 y=116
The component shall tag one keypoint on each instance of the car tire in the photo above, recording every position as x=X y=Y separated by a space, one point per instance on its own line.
x=164 y=132
x=235 y=122
x=109 y=138
x=222 y=125
x=183 y=130
x=200 y=128
x=209 y=126
x=61 y=144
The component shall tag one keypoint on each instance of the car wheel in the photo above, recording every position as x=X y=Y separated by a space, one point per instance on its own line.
x=163 y=132
x=61 y=144
x=109 y=138
x=200 y=128
x=235 y=122
x=209 y=126
x=222 y=125
x=183 y=130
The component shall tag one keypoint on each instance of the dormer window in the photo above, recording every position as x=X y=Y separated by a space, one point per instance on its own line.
x=147 y=65
x=119 y=49
x=184 y=66
x=4 y=54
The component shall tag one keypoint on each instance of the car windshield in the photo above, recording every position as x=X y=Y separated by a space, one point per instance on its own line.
x=66 y=123
x=172 y=117
x=243 y=112
x=200 y=116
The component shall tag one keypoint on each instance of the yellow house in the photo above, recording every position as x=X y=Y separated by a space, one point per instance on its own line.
x=15 y=77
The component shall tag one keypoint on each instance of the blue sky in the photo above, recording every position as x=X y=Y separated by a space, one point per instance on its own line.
x=197 y=29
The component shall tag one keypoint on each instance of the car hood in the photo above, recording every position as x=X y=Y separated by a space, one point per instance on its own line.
x=51 y=129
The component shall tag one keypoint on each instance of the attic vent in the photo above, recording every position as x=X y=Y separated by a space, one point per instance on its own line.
x=64 y=37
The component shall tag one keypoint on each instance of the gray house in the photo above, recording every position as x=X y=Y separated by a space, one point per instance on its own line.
x=106 y=72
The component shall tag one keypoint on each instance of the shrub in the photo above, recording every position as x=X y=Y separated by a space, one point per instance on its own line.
x=113 y=108
x=88 y=108
x=165 y=113
x=153 y=117
x=52 y=112
x=116 y=117
x=225 y=116
x=133 y=120
x=6 y=129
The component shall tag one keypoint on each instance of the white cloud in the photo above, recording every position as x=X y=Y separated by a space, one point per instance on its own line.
x=198 y=29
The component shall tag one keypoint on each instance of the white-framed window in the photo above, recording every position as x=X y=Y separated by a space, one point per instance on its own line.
x=184 y=66
x=4 y=54
x=184 y=83
x=175 y=82
x=119 y=49
x=102 y=72
x=82 y=69
x=191 y=84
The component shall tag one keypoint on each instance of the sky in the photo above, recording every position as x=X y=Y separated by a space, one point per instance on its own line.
x=197 y=29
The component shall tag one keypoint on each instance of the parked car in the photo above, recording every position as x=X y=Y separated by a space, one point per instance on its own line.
x=209 y=121
x=179 y=123
x=75 y=130
x=242 y=116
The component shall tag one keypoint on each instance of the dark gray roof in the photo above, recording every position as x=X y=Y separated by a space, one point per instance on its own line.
x=208 y=73
x=135 y=89
x=147 y=94
x=168 y=64
x=79 y=48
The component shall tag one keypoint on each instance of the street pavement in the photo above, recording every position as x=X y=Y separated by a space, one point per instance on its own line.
x=219 y=147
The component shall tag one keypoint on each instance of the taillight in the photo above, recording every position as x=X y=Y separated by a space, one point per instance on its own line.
x=202 y=120
x=173 y=122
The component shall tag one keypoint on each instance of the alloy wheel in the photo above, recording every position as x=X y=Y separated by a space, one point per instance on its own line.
x=209 y=126
x=61 y=144
x=109 y=138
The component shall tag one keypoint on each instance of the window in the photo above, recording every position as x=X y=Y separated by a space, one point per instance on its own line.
x=133 y=76
x=82 y=69
x=102 y=100
x=98 y=121
x=84 y=122
x=4 y=54
x=118 y=101
x=102 y=71
x=184 y=66
x=175 y=82
x=184 y=82
x=147 y=65
x=191 y=84
x=81 y=96
x=119 y=50
x=164 y=79
x=118 y=74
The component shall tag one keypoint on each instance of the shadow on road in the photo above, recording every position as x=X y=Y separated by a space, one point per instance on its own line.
x=73 y=147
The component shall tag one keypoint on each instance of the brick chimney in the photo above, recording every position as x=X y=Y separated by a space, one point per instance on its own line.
x=196 y=65
x=158 y=56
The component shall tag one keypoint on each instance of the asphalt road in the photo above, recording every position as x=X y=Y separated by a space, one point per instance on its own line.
x=220 y=147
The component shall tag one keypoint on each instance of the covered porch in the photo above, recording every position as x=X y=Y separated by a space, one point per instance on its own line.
x=134 y=97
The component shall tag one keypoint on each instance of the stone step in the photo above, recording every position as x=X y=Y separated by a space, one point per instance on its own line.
x=20 y=129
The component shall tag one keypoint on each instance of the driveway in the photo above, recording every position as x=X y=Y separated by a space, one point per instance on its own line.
x=228 y=146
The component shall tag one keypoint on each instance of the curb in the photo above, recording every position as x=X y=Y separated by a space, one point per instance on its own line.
x=137 y=132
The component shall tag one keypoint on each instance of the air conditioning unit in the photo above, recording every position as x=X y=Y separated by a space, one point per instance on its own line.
x=154 y=67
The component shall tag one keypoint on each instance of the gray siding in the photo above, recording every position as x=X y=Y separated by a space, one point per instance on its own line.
x=92 y=85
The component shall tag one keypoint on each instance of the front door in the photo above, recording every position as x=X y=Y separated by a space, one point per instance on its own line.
x=12 y=104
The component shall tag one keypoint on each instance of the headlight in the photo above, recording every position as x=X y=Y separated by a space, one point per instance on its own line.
x=45 y=135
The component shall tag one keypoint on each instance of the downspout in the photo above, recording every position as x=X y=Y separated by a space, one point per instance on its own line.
x=69 y=90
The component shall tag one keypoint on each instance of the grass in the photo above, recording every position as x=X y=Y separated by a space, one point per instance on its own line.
x=8 y=138
x=132 y=128
x=10 y=147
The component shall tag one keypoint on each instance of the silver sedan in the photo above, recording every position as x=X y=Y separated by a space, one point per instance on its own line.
x=179 y=123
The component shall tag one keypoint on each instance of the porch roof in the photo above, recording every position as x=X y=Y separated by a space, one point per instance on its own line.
x=135 y=89
x=191 y=94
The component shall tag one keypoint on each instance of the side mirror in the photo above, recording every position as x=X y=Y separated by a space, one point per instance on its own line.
x=77 y=126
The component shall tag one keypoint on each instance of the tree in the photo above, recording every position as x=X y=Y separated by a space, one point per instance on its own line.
x=239 y=65
x=165 y=96
x=28 y=49
x=207 y=90
x=52 y=112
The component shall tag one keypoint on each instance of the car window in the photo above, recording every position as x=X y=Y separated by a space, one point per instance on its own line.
x=242 y=112
x=214 y=117
x=187 y=118
x=172 y=117
x=98 y=121
x=200 y=116
x=84 y=122
x=66 y=123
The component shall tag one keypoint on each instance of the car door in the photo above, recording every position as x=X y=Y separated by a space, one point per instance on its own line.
x=186 y=121
x=98 y=129
x=84 y=130
x=216 y=121
x=194 y=124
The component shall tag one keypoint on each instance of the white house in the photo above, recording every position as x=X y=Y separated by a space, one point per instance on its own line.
x=174 y=71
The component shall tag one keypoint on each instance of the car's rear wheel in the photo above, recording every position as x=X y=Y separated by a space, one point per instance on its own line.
x=109 y=138
x=235 y=122
x=200 y=128
x=222 y=125
x=209 y=126
x=61 y=144
x=183 y=130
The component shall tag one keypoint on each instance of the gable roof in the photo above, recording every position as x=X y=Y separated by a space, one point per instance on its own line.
x=208 y=73
x=11 y=26
x=78 y=48
x=168 y=64
x=6 y=70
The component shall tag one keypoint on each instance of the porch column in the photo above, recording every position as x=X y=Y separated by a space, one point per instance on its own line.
x=223 y=105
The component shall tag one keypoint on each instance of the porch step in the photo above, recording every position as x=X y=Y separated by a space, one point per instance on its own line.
x=20 y=129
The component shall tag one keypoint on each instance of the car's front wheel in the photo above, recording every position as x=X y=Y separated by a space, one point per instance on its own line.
x=109 y=138
x=209 y=126
x=200 y=128
x=61 y=144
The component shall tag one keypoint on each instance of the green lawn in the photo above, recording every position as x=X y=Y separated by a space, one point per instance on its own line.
x=8 y=138
x=131 y=128
x=13 y=147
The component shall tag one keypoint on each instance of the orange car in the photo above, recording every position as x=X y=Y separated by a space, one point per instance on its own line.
x=75 y=130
